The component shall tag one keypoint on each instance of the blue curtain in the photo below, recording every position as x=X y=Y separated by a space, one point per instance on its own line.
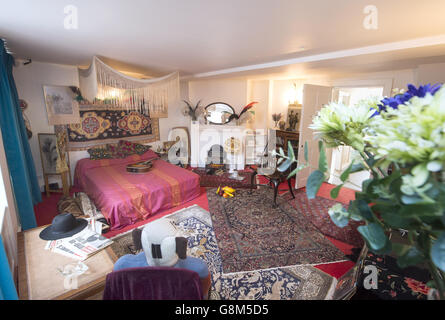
x=7 y=287
x=18 y=153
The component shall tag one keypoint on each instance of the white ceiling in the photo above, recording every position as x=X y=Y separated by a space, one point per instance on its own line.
x=202 y=36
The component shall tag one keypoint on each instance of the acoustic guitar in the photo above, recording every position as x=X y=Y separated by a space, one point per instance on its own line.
x=140 y=167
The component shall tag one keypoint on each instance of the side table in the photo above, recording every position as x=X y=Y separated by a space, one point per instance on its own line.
x=39 y=278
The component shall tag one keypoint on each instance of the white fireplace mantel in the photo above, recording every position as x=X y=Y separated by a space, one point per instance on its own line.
x=203 y=137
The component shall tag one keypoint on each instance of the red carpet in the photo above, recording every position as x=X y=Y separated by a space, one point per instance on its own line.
x=47 y=209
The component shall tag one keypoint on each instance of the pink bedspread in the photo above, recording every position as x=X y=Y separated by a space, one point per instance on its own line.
x=124 y=197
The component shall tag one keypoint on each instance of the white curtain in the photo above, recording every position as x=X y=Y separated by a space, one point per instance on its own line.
x=100 y=81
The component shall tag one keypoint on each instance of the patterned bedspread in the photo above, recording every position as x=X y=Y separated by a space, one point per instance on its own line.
x=124 y=197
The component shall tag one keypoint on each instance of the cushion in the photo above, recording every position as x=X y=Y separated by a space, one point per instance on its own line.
x=132 y=147
x=100 y=153
x=126 y=148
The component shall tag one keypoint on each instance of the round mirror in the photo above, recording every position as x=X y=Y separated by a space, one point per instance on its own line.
x=218 y=113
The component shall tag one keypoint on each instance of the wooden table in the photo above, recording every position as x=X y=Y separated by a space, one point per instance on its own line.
x=39 y=278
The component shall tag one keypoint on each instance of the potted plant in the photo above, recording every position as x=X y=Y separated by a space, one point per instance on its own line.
x=401 y=142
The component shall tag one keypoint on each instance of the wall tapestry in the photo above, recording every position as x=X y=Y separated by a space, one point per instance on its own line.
x=102 y=124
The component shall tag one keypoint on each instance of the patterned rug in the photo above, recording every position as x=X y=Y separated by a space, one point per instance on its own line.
x=316 y=211
x=284 y=283
x=252 y=235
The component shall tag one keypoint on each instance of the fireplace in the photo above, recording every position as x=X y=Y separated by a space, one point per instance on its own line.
x=216 y=155
x=207 y=145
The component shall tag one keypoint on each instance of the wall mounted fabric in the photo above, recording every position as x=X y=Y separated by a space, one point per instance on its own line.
x=148 y=96
x=102 y=124
x=18 y=153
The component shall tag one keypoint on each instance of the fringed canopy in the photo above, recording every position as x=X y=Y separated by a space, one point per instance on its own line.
x=148 y=96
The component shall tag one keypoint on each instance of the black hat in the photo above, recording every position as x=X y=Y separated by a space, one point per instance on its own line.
x=64 y=225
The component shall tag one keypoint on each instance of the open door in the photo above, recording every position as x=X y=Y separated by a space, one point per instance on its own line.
x=314 y=97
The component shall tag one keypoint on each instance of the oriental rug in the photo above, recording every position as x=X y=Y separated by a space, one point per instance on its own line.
x=253 y=235
x=316 y=211
x=283 y=283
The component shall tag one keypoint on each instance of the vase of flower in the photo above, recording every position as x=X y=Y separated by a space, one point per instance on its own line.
x=400 y=141
x=276 y=117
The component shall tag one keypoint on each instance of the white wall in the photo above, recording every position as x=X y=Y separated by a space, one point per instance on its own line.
x=431 y=73
x=233 y=92
x=30 y=80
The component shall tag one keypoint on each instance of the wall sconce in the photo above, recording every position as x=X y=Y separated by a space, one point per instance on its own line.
x=293 y=96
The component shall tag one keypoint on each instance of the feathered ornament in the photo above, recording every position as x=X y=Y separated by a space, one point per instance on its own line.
x=245 y=109
x=77 y=92
x=192 y=111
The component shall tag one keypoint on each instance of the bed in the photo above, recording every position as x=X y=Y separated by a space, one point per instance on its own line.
x=125 y=198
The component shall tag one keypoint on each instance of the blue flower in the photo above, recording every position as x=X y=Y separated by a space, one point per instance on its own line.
x=399 y=99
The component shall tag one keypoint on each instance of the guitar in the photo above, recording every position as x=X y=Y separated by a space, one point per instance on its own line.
x=140 y=167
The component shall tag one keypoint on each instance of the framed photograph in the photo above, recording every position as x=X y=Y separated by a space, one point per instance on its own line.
x=48 y=152
x=61 y=106
x=293 y=117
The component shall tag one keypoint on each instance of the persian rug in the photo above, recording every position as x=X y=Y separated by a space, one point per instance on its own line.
x=101 y=124
x=284 y=283
x=253 y=235
x=209 y=180
x=316 y=211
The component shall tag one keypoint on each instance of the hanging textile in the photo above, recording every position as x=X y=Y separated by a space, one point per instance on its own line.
x=103 y=124
x=18 y=153
x=100 y=82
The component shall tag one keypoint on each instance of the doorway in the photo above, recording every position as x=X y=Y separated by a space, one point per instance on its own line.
x=342 y=156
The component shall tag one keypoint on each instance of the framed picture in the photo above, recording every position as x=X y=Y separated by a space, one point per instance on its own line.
x=61 y=106
x=293 y=117
x=48 y=152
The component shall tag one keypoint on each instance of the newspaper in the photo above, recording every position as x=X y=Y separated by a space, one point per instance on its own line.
x=82 y=245
x=87 y=242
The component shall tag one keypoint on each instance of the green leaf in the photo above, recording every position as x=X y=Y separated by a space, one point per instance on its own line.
x=290 y=151
x=335 y=191
x=418 y=210
x=285 y=165
x=411 y=257
x=296 y=170
x=395 y=220
x=306 y=152
x=339 y=215
x=387 y=248
x=322 y=162
x=374 y=235
x=357 y=167
x=345 y=175
x=360 y=210
x=414 y=200
x=313 y=184
x=438 y=252
x=280 y=160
